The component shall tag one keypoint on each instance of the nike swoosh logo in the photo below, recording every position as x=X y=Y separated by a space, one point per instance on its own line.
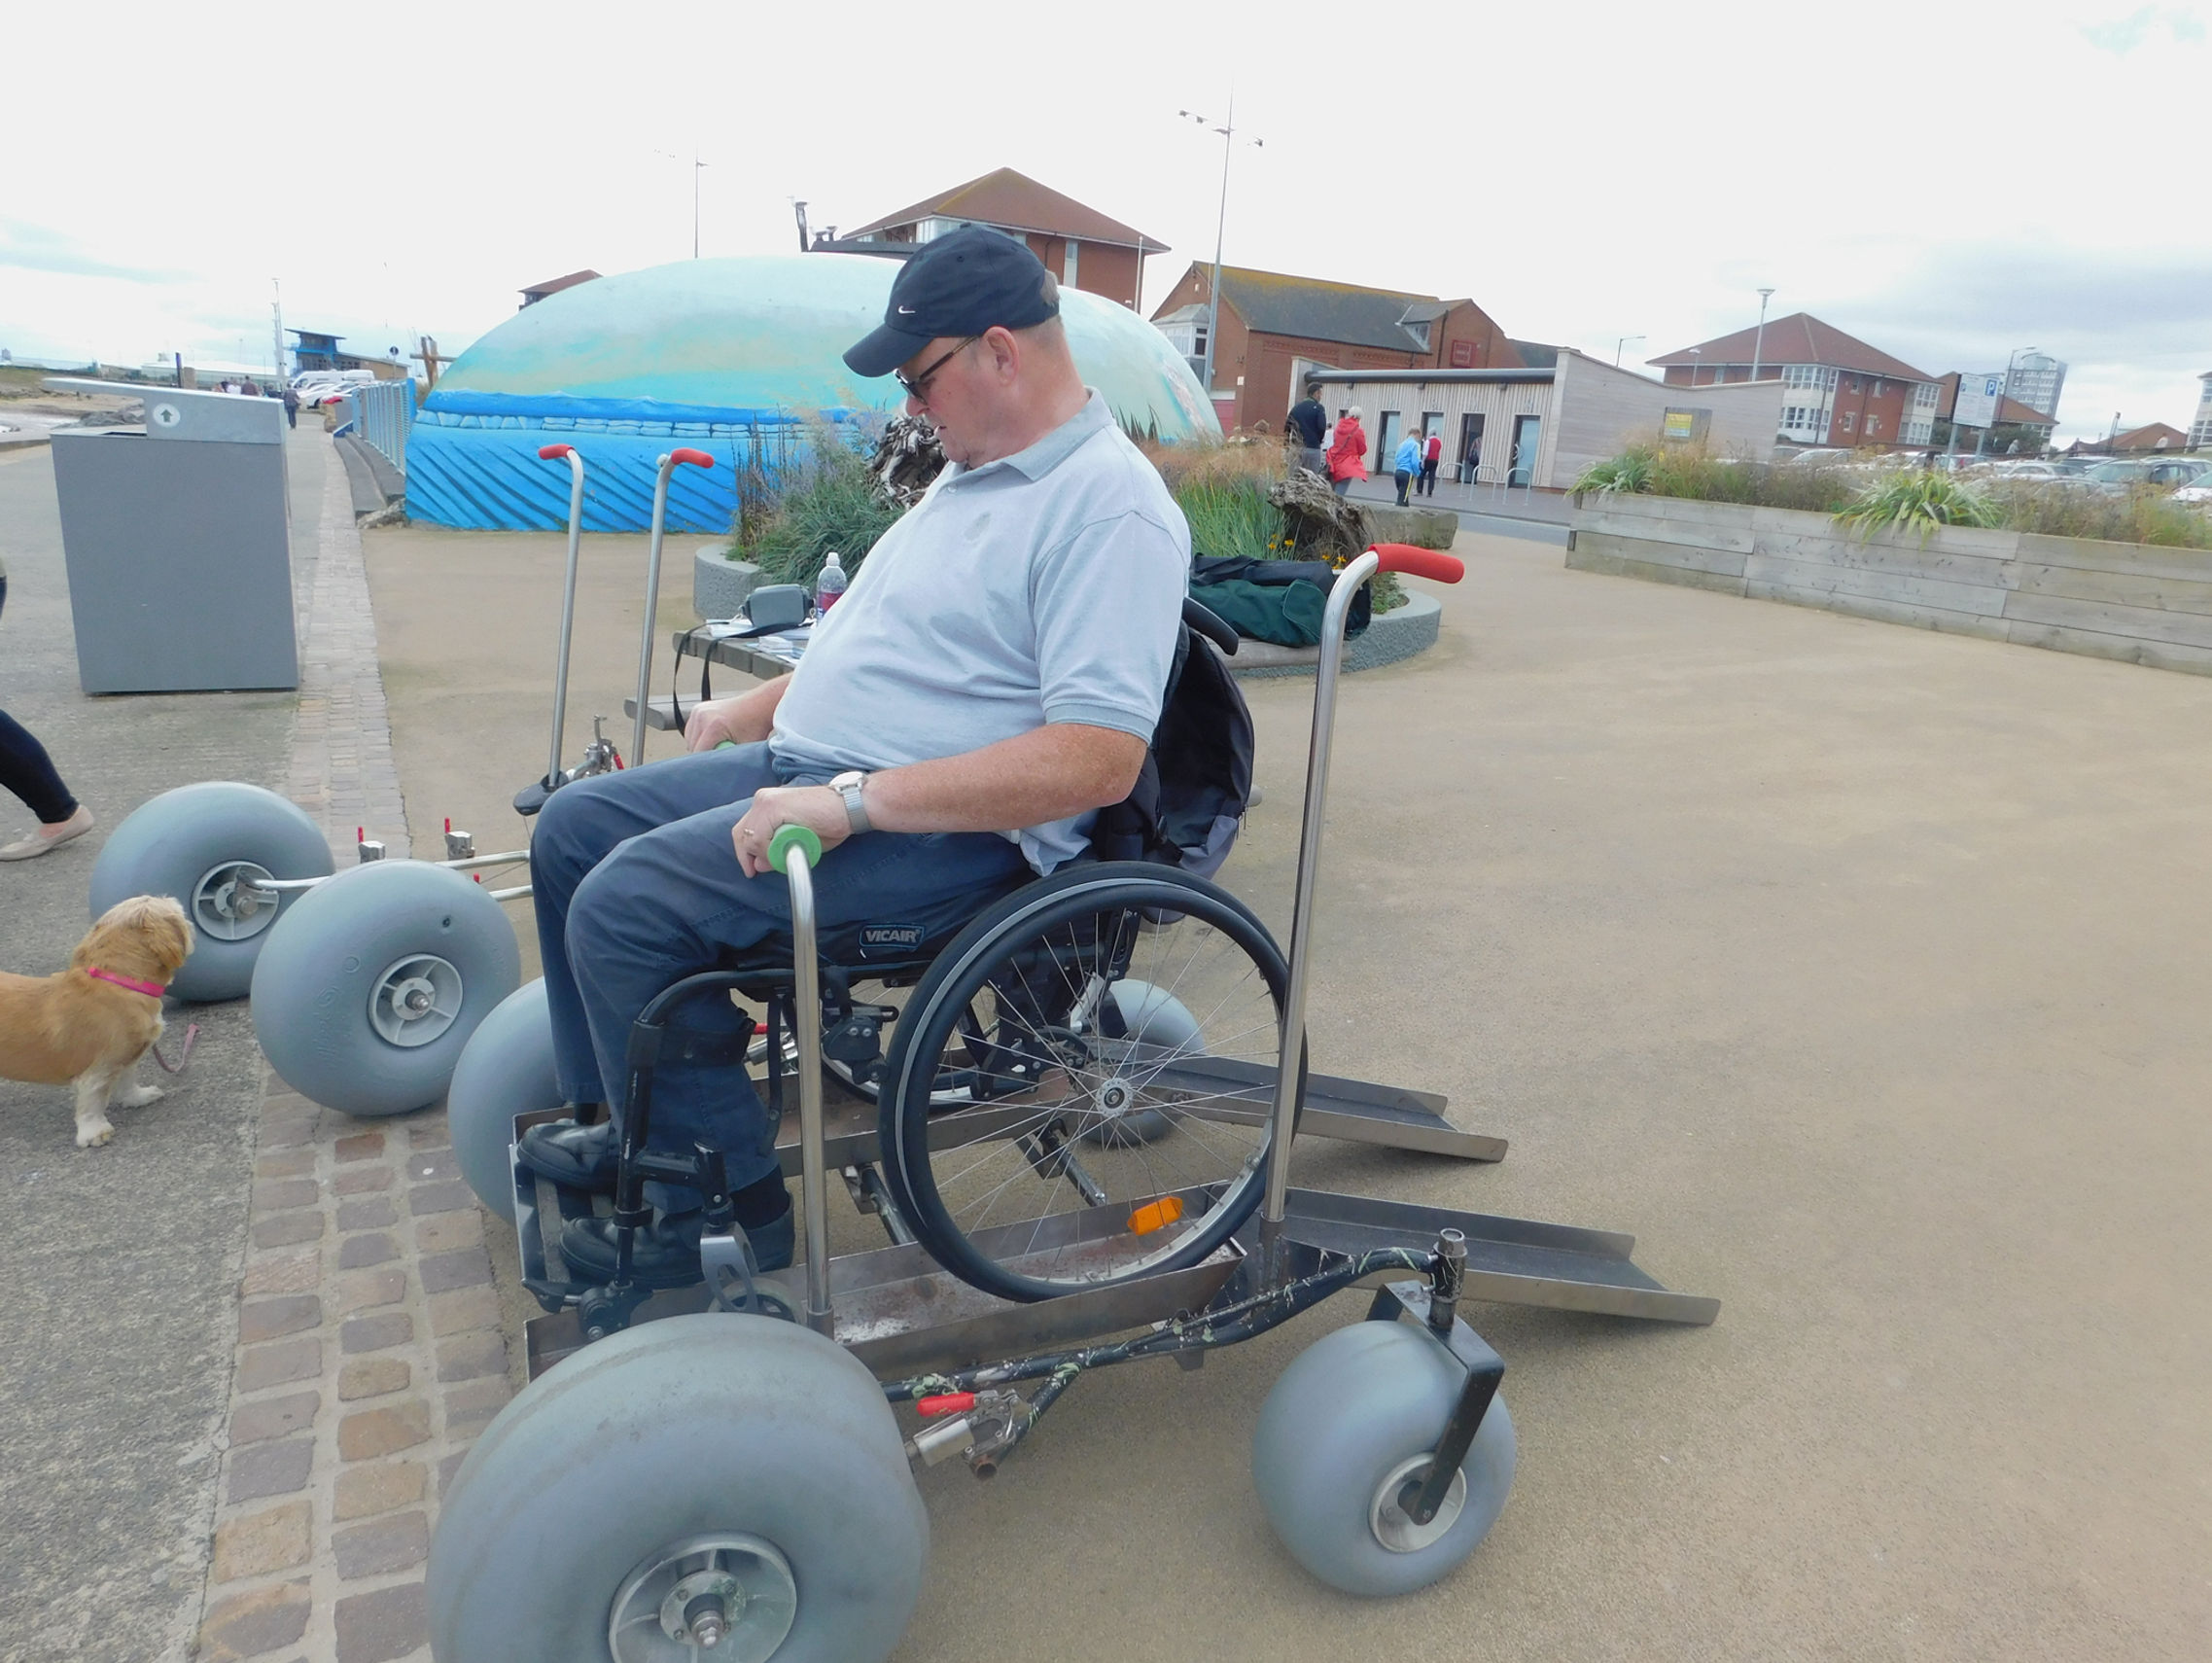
x=905 y=311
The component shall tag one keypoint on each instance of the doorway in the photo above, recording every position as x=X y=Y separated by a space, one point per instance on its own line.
x=1385 y=439
x=1470 y=451
x=1527 y=434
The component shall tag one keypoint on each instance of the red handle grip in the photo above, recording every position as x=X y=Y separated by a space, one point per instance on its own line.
x=552 y=452
x=1421 y=562
x=697 y=458
x=951 y=1404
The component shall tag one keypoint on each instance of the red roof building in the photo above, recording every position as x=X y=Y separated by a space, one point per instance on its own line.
x=1081 y=246
x=552 y=286
x=1838 y=390
x=1272 y=325
x=2156 y=435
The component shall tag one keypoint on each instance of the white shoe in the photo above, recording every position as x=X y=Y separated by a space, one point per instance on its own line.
x=50 y=836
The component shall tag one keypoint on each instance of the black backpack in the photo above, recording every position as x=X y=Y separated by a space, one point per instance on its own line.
x=1188 y=803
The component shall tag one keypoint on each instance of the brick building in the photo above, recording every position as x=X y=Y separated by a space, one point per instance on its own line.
x=1273 y=327
x=1081 y=246
x=554 y=284
x=1837 y=389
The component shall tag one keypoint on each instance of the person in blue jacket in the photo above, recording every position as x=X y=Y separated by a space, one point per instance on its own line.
x=1406 y=463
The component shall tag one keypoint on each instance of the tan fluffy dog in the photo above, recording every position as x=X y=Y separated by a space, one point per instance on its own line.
x=75 y=1028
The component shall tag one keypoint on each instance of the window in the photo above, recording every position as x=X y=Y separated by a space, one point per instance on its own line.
x=1854 y=383
x=1068 y=266
x=1198 y=341
x=1850 y=422
x=1874 y=423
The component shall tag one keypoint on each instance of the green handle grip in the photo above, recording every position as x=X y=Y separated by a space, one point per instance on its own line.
x=789 y=838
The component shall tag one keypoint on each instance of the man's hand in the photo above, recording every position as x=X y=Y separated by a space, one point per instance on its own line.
x=778 y=807
x=715 y=720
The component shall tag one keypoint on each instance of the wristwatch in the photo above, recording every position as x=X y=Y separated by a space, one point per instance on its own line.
x=848 y=785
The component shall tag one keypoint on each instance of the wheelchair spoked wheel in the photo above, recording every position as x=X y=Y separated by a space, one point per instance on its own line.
x=1087 y=1149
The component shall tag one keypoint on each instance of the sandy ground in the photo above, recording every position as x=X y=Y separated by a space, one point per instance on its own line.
x=1859 y=972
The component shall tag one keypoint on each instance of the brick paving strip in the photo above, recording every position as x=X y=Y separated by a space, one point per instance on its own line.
x=370 y=1349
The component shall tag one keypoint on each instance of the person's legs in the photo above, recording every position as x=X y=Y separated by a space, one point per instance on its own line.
x=580 y=824
x=28 y=771
x=1342 y=487
x=673 y=902
x=1404 y=479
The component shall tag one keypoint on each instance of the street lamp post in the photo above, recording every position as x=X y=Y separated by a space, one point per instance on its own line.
x=1620 y=343
x=1228 y=132
x=1759 y=341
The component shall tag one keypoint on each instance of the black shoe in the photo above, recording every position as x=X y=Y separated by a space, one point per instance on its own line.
x=573 y=1157
x=665 y=1254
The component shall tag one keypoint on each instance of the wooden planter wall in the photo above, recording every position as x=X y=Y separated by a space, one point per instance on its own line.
x=2110 y=600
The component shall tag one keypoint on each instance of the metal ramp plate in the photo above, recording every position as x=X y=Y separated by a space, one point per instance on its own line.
x=1510 y=1261
x=1350 y=1110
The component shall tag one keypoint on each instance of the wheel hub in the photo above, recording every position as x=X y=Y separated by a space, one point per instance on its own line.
x=1388 y=1517
x=730 y=1597
x=415 y=1000
x=227 y=905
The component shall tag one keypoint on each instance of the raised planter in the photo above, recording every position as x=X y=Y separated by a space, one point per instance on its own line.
x=2130 y=601
x=1400 y=634
x=720 y=585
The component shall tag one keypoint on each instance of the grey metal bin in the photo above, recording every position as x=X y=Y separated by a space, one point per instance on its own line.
x=177 y=537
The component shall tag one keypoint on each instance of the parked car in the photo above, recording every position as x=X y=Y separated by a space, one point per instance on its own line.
x=2198 y=492
x=2119 y=477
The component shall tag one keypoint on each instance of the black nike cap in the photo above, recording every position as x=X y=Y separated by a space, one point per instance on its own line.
x=963 y=283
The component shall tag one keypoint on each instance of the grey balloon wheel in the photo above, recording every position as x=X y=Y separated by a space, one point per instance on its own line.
x=1351 y=1420
x=371 y=986
x=694 y=1450
x=1155 y=1017
x=196 y=843
x=505 y=1070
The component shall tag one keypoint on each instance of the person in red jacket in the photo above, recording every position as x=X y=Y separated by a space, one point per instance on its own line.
x=1348 y=452
x=1431 y=453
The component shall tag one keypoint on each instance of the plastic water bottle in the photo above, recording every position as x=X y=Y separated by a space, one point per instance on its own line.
x=829 y=585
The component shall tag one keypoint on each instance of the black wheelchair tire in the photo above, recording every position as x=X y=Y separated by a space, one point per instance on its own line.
x=904 y=1112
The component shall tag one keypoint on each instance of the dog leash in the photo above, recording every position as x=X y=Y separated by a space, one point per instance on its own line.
x=152 y=990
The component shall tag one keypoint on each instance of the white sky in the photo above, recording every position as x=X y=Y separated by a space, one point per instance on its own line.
x=1948 y=179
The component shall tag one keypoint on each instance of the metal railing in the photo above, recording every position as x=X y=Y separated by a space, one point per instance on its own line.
x=384 y=413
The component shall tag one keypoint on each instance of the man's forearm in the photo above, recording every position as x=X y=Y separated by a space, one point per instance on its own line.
x=1050 y=773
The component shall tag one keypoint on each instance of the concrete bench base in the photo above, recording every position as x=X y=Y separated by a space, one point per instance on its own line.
x=1412 y=628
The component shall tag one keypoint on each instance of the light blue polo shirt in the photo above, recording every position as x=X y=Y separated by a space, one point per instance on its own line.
x=1045 y=587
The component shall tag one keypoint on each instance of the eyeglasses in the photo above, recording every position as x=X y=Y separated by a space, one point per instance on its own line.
x=918 y=386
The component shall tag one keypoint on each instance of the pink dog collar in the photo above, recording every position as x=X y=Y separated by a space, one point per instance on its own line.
x=151 y=989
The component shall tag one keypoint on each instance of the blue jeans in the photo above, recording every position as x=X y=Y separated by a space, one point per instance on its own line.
x=636 y=886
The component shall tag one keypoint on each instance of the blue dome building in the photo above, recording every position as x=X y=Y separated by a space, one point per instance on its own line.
x=719 y=355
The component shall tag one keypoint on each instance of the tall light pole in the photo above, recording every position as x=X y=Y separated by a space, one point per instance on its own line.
x=276 y=314
x=1759 y=341
x=696 y=166
x=1228 y=132
x=1620 y=343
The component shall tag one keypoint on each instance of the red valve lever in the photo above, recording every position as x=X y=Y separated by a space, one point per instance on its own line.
x=697 y=458
x=1421 y=562
x=951 y=1404
x=552 y=452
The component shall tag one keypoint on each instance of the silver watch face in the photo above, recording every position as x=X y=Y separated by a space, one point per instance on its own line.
x=845 y=781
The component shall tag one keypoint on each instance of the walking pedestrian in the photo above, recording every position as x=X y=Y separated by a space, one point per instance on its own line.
x=1306 y=422
x=26 y=770
x=1347 y=453
x=290 y=407
x=1431 y=453
x=1406 y=464
x=1471 y=463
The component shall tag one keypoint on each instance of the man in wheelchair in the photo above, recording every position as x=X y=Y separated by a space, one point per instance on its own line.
x=991 y=679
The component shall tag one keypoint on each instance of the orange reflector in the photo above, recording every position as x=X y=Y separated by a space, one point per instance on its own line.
x=1155 y=1214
